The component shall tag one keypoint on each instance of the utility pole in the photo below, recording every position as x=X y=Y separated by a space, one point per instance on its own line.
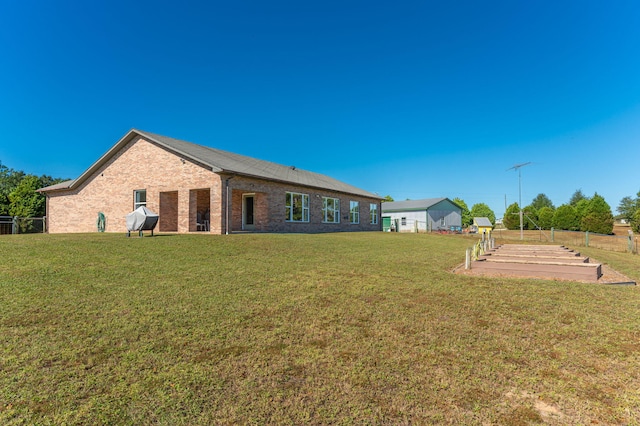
x=518 y=167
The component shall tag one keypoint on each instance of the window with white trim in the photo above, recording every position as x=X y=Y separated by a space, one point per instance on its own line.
x=139 y=198
x=373 y=213
x=297 y=207
x=330 y=210
x=354 y=212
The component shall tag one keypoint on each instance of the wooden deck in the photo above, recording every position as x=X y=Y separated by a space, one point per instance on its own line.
x=551 y=262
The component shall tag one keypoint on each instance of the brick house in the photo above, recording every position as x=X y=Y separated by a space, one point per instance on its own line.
x=197 y=188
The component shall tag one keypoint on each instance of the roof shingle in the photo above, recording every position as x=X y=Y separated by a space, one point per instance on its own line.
x=227 y=162
x=410 y=205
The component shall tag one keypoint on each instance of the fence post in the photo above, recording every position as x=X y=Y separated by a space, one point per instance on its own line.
x=44 y=224
x=14 y=225
x=630 y=242
x=586 y=239
x=552 y=235
x=467 y=259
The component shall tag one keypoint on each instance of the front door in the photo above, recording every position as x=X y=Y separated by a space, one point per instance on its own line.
x=248 y=223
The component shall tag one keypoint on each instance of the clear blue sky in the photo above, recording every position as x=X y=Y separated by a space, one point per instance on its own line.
x=412 y=99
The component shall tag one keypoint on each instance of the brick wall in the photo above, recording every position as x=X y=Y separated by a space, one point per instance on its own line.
x=270 y=206
x=139 y=165
x=178 y=189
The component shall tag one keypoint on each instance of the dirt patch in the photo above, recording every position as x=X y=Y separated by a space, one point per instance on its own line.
x=547 y=411
x=619 y=229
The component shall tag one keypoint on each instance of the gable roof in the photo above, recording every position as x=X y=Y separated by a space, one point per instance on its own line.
x=413 y=205
x=220 y=161
x=482 y=221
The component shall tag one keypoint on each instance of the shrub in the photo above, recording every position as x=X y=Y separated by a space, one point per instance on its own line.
x=545 y=217
x=597 y=216
x=566 y=217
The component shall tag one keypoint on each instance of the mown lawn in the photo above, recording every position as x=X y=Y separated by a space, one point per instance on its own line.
x=354 y=328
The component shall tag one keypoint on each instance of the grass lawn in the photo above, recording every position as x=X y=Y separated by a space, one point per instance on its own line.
x=352 y=328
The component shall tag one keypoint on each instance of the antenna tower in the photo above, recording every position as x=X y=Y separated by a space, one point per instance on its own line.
x=517 y=168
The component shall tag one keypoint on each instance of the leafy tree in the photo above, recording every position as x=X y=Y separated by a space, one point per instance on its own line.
x=597 y=216
x=629 y=206
x=566 y=217
x=581 y=208
x=483 y=210
x=18 y=196
x=24 y=200
x=576 y=197
x=387 y=199
x=545 y=217
x=466 y=214
x=9 y=179
x=511 y=218
x=541 y=201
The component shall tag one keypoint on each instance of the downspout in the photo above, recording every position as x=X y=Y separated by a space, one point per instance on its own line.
x=226 y=228
x=45 y=224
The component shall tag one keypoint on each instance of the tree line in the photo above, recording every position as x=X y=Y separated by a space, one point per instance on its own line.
x=580 y=213
x=18 y=196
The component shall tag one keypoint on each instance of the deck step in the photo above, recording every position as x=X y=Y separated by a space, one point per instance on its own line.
x=551 y=262
x=490 y=257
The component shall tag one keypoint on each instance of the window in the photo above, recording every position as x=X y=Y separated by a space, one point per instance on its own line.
x=442 y=223
x=354 y=211
x=403 y=221
x=139 y=198
x=373 y=213
x=330 y=210
x=297 y=207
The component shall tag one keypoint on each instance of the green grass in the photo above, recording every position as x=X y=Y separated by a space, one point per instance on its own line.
x=354 y=328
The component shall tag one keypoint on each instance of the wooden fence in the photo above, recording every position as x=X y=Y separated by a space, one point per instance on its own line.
x=22 y=225
x=621 y=243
